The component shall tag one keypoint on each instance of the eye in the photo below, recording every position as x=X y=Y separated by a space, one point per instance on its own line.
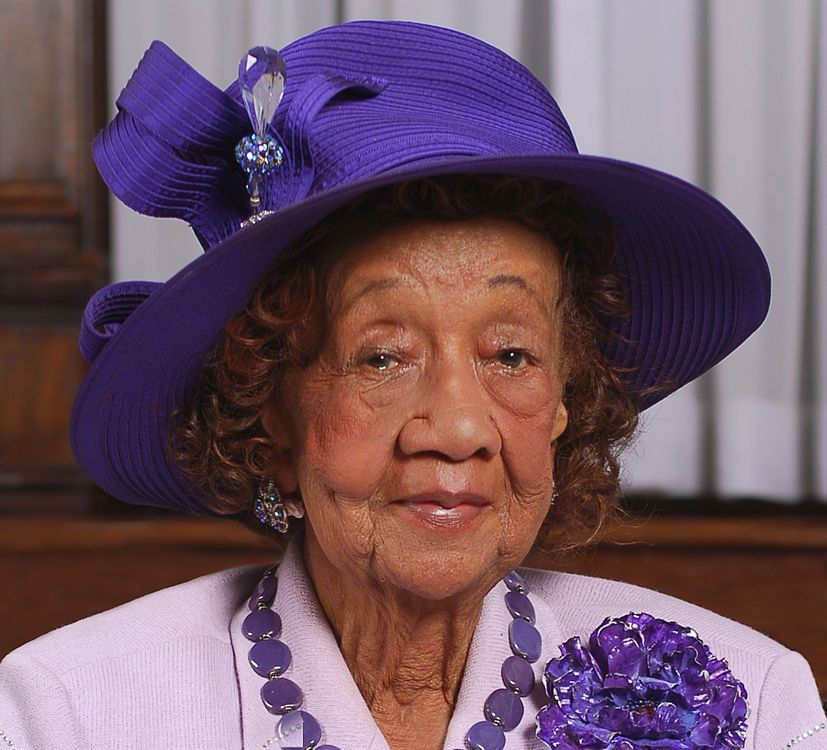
x=380 y=361
x=513 y=358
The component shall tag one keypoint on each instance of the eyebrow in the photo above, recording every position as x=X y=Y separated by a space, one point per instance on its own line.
x=378 y=285
x=503 y=279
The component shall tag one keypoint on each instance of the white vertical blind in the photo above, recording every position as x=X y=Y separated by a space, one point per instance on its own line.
x=761 y=113
x=815 y=401
x=634 y=96
x=731 y=96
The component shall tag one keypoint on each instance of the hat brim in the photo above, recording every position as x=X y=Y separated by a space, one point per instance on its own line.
x=698 y=286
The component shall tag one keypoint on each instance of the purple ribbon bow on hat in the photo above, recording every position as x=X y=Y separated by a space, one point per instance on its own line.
x=170 y=149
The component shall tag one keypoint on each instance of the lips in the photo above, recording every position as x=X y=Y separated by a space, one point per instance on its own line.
x=446 y=510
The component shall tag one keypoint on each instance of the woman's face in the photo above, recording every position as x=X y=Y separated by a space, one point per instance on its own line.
x=422 y=438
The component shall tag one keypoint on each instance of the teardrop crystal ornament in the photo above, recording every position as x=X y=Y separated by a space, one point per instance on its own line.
x=261 y=77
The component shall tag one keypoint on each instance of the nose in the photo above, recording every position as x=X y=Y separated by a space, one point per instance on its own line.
x=454 y=417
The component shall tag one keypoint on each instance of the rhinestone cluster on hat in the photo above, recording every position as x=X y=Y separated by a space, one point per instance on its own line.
x=297 y=729
x=262 y=74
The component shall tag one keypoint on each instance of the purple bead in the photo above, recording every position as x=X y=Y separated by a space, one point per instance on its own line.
x=327 y=747
x=262 y=623
x=270 y=658
x=281 y=696
x=485 y=736
x=298 y=730
x=515 y=582
x=518 y=675
x=524 y=638
x=520 y=606
x=264 y=592
x=504 y=708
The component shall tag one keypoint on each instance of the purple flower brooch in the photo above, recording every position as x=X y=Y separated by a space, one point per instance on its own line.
x=641 y=684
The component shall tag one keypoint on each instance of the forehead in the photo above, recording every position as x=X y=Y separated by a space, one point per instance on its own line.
x=458 y=253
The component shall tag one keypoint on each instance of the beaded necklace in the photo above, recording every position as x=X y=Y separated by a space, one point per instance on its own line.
x=299 y=730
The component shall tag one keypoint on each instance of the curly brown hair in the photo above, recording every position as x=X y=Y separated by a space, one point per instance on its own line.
x=218 y=440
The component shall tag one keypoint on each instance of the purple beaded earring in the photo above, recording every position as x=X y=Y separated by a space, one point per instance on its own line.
x=269 y=507
x=272 y=509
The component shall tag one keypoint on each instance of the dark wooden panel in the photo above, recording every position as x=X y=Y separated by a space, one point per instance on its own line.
x=47 y=272
x=53 y=233
x=36 y=199
x=40 y=373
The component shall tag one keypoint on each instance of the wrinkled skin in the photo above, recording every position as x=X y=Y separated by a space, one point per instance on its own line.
x=442 y=372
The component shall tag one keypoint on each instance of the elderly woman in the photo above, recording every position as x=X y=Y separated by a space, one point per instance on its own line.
x=420 y=336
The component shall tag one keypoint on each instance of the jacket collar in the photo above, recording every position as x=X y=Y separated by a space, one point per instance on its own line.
x=332 y=696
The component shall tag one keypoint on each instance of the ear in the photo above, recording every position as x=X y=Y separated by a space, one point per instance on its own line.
x=561 y=421
x=275 y=420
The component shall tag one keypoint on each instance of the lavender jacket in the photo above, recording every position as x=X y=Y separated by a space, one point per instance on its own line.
x=169 y=671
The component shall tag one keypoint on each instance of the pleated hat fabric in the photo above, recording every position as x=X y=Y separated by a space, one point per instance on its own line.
x=368 y=104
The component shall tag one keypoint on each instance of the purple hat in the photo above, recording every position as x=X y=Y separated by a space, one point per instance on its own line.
x=367 y=104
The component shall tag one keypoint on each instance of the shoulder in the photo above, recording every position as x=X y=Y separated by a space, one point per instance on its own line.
x=781 y=690
x=585 y=601
x=196 y=609
x=102 y=681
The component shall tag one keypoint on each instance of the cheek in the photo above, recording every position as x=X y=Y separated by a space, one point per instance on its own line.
x=527 y=445
x=526 y=399
x=528 y=458
x=345 y=443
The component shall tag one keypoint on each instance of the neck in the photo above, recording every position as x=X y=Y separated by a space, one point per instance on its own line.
x=406 y=654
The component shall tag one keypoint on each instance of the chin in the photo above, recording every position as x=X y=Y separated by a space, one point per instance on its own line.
x=438 y=572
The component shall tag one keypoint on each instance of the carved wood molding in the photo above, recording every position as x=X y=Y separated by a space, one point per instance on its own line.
x=24 y=535
x=53 y=206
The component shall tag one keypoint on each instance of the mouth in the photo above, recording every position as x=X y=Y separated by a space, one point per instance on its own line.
x=444 y=510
